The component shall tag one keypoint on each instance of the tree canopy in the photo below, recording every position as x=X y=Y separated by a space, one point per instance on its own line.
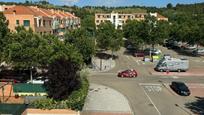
x=62 y=78
x=108 y=37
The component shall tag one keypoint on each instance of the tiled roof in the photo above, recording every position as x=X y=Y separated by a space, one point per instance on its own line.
x=33 y=10
x=160 y=16
x=19 y=10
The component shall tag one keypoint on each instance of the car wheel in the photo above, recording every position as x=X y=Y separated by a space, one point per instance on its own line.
x=161 y=70
x=122 y=75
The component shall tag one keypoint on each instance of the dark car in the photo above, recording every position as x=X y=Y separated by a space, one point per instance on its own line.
x=153 y=51
x=180 y=88
x=128 y=73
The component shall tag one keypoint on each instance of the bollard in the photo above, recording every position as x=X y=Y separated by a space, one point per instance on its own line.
x=167 y=71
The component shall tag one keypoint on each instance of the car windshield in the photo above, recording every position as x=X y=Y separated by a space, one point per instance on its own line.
x=182 y=87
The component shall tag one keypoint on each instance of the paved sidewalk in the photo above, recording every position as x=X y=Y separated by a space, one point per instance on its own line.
x=102 y=100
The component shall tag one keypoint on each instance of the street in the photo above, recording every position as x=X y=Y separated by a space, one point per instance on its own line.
x=149 y=94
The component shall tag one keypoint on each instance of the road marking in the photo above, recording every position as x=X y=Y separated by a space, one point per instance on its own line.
x=151 y=101
x=157 y=84
x=138 y=63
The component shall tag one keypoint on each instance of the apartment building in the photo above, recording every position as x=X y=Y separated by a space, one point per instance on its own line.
x=43 y=21
x=118 y=19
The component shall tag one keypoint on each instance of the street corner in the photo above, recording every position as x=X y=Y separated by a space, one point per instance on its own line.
x=105 y=100
x=197 y=72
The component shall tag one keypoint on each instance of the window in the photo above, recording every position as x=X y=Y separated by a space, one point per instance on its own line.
x=119 y=16
x=26 y=22
x=17 y=22
x=98 y=16
x=43 y=23
x=97 y=21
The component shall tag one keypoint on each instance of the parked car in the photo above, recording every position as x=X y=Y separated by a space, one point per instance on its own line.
x=180 y=88
x=128 y=73
x=190 y=47
x=198 y=52
x=38 y=80
x=153 y=51
x=131 y=47
x=139 y=53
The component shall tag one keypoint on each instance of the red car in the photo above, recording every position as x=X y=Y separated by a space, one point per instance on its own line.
x=128 y=73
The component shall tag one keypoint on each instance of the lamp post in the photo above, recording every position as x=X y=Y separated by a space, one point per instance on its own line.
x=31 y=74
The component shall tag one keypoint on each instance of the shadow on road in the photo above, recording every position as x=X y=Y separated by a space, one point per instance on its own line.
x=197 y=106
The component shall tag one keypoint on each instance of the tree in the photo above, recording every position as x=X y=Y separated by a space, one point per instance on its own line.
x=108 y=37
x=155 y=31
x=62 y=79
x=132 y=31
x=169 y=6
x=81 y=41
x=4 y=31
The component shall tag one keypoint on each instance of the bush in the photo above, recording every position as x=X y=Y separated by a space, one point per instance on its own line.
x=75 y=101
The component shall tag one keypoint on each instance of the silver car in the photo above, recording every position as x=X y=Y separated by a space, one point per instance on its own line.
x=198 y=52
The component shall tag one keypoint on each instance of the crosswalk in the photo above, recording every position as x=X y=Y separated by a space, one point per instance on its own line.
x=149 y=87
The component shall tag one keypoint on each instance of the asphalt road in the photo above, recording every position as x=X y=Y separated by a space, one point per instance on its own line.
x=146 y=99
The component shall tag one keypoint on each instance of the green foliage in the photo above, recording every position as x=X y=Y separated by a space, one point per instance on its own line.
x=169 y=6
x=26 y=49
x=75 y=101
x=4 y=31
x=81 y=41
x=149 y=31
x=108 y=37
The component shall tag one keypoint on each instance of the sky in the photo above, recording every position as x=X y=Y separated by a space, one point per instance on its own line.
x=157 y=3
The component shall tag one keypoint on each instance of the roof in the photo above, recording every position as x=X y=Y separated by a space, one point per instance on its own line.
x=14 y=109
x=160 y=16
x=22 y=10
x=28 y=88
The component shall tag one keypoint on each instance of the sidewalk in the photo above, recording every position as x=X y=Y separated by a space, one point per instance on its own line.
x=102 y=100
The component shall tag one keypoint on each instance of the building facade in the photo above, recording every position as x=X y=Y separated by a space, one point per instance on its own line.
x=43 y=21
x=118 y=19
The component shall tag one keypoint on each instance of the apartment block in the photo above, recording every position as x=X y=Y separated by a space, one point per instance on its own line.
x=43 y=21
x=118 y=19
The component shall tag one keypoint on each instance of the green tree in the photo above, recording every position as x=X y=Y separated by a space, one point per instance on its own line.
x=155 y=31
x=4 y=31
x=81 y=41
x=62 y=79
x=108 y=37
x=169 y=6
x=132 y=31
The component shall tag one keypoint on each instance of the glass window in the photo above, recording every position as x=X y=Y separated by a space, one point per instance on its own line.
x=26 y=22
x=17 y=22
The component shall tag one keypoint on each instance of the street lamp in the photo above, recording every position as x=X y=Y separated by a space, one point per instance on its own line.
x=31 y=74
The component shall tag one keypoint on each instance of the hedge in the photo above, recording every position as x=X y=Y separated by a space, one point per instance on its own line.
x=75 y=101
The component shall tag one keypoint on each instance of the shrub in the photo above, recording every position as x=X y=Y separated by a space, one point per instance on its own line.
x=75 y=101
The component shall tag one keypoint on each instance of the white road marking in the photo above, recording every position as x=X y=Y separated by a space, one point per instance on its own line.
x=151 y=101
x=138 y=63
